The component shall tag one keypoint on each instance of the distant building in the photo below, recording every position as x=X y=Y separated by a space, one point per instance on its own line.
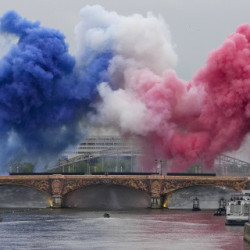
x=106 y=146
x=117 y=147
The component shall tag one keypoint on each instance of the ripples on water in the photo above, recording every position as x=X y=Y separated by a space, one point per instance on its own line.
x=133 y=229
x=67 y=229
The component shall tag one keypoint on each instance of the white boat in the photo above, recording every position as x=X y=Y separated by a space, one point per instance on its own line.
x=238 y=208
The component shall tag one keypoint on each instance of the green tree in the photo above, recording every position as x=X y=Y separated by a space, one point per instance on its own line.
x=27 y=167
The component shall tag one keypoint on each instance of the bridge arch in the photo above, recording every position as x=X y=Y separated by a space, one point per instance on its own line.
x=208 y=195
x=235 y=183
x=40 y=185
x=109 y=196
x=233 y=188
x=58 y=185
x=142 y=185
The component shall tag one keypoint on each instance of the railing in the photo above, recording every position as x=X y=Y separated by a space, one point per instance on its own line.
x=228 y=160
x=223 y=162
x=227 y=165
x=113 y=152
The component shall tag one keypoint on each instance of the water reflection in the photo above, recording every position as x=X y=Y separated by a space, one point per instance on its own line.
x=208 y=196
x=111 y=197
x=134 y=229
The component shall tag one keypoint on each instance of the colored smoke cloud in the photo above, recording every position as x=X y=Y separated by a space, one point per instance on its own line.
x=122 y=77
x=44 y=92
x=185 y=122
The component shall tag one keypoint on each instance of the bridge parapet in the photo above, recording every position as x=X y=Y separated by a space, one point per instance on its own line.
x=248 y=184
x=38 y=182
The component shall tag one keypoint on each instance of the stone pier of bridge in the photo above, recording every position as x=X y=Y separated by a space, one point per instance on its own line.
x=158 y=187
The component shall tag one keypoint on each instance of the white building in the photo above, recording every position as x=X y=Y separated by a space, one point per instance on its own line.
x=98 y=146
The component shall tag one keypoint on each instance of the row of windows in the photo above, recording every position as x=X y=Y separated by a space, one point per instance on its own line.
x=104 y=139
x=103 y=144
x=102 y=148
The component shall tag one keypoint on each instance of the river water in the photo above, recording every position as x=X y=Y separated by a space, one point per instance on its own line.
x=132 y=229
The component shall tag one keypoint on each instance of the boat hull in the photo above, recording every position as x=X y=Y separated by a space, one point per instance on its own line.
x=235 y=222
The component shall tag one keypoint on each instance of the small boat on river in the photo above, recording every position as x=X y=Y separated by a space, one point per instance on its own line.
x=106 y=215
x=222 y=208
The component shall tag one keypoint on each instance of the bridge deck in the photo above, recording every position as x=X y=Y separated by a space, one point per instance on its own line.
x=156 y=176
x=154 y=185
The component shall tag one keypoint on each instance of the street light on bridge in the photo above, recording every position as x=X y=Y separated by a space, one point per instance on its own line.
x=156 y=165
x=158 y=168
x=161 y=166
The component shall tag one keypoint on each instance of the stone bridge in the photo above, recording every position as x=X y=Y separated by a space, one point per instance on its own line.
x=158 y=187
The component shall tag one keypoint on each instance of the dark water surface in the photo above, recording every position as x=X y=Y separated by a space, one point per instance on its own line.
x=134 y=229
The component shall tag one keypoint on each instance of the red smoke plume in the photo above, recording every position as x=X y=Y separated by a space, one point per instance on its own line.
x=185 y=122
x=198 y=120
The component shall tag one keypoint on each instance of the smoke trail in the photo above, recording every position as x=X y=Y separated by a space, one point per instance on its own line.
x=44 y=93
x=183 y=121
x=147 y=99
x=226 y=78
x=223 y=120
x=135 y=41
x=122 y=77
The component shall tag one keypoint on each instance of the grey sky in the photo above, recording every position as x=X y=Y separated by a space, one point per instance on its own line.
x=197 y=26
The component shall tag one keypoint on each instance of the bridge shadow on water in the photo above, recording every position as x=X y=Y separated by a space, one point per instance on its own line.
x=103 y=197
x=100 y=197
x=208 y=196
x=22 y=197
x=112 y=197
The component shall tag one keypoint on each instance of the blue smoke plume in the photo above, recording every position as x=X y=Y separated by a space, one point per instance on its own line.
x=44 y=96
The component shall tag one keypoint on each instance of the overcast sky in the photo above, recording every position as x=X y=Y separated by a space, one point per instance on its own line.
x=197 y=26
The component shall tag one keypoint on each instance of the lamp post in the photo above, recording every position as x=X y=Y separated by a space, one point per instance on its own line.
x=116 y=161
x=131 y=167
x=161 y=166
x=102 y=162
x=89 y=163
x=156 y=165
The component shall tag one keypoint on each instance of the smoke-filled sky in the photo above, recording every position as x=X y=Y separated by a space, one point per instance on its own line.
x=155 y=64
x=196 y=26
